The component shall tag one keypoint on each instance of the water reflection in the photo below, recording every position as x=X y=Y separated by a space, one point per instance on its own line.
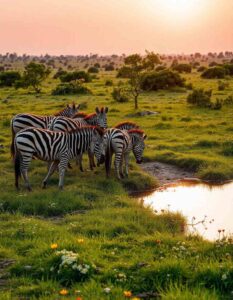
x=199 y=200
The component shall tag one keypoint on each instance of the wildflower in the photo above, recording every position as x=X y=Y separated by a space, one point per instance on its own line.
x=79 y=298
x=135 y=298
x=224 y=276
x=107 y=290
x=63 y=292
x=54 y=246
x=158 y=242
x=127 y=294
x=80 y=241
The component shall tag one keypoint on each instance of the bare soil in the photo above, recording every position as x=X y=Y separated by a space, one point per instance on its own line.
x=166 y=173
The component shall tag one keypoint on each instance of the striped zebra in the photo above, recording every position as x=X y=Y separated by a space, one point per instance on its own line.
x=55 y=147
x=25 y=120
x=127 y=125
x=99 y=118
x=121 y=142
x=65 y=124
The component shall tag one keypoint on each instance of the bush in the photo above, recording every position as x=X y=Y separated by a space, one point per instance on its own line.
x=165 y=79
x=120 y=94
x=76 y=75
x=97 y=65
x=71 y=88
x=215 y=72
x=109 y=82
x=213 y=64
x=229 y=68
x=201 y=69
x=222 y=85
x=8 y=78
x=59 y=73
x=182 y=68
x=228 y=100
x=200 y=98
x=217 y=105
x=93 y=70
x=109 y=67
x=123 y=72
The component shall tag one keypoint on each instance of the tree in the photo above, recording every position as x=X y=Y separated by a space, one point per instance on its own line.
x=134 y=67
x=33 y=76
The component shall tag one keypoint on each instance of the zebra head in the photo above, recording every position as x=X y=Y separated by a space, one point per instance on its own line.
x=71 y=110
x=138 y=145
x=97 y=145
x=101 y=117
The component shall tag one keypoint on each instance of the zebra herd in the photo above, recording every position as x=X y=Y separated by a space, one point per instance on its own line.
x=69 y=134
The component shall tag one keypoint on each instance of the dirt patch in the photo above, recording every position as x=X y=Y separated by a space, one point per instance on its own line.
x=166 y=173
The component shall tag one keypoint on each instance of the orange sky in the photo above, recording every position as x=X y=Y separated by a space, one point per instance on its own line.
x=115 y=26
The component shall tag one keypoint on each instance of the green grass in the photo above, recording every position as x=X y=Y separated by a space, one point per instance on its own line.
x=132 y=248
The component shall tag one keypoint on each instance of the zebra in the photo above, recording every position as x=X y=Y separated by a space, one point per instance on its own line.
x=127 y=125
x=98 y=118
x=25 y=120
x=121 y=142
x=55 y=147
x=65 y=124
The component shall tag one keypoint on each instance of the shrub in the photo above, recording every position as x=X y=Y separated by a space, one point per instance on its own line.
x=182 y=68
x=93 y=70
x=217 y=105
x=222 y=85
x=228 y=100
x=109 y=82
x=59 y=73
x=8 y=78
x=120 y=94
x=229 y=68
x=199 y=97
x=160 y=68
x=76 y=75
x=215 y=72
x=213 y=64
x=97 y=65
x=71 y=88
x=201 y=69
x=123 y=72
x=109 y=67
x=165 y=79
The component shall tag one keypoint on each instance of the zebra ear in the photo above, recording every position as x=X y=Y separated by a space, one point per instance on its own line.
x=78 y=106
x=106 y=109
x=97 y=110
x=102 y=110
x=67 y=105
x=73 y=105
x=145 y=137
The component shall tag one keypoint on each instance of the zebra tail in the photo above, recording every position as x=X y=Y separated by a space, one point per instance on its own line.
x=12 y=140
x=17 y=163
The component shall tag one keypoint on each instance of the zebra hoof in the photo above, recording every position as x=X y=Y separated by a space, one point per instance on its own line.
x=122 y=176
x=29 y=188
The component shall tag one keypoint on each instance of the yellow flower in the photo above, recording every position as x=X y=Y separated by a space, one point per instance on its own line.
x=135 y=298
x=127 y=294
x=80 y=241
x=53 y=246
x=63 y=292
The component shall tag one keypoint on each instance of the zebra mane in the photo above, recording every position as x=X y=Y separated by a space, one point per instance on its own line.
x=127 y=123
x=90 y=116
x=138 y=131
x=78 y=129
x=80 y=115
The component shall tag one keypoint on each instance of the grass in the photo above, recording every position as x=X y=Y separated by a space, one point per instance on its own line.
x=132 y=248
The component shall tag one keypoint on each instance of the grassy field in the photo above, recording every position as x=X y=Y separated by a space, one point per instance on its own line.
x=127 y=247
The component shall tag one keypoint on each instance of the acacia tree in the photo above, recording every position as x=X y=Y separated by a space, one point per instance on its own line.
x=33 y=76
x=134 y=67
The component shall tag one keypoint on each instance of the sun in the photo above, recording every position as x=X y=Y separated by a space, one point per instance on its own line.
x=180 y=7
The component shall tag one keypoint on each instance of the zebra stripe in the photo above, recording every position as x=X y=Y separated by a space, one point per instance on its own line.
x=121 y=143
x=25 y=120
x=55 y=147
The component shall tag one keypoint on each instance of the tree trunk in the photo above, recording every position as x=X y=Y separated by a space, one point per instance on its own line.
x=136 y=101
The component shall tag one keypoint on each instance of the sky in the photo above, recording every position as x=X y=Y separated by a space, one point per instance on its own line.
x=115 y=26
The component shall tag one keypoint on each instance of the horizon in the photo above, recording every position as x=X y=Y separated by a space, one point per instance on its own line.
x=108 y=27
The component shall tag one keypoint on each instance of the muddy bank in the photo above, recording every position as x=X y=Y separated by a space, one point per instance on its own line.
x=166 y=173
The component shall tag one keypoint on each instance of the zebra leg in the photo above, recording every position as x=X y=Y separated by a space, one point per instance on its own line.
x=121 y=167
x=24 y=171
x=108 y=164
x=91 y=160
x=79 y=162
x=52 y=169
x=127 y=164
x=62 y=169
x=117 y=162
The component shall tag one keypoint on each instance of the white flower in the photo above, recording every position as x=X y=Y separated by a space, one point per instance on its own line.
x=84 y=271
x=224 y=276
x=107 y=290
